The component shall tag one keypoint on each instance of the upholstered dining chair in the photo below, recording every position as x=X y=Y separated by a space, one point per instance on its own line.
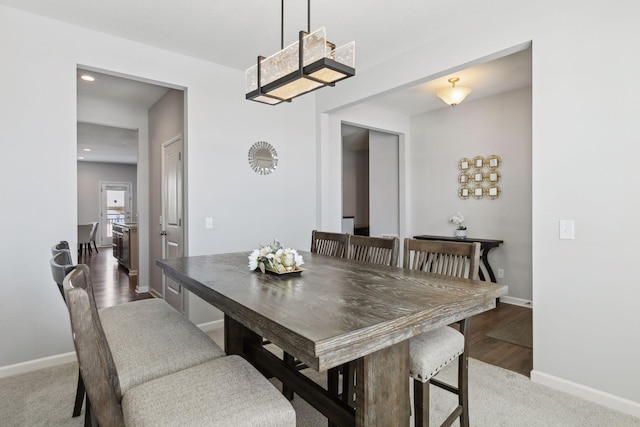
x=374 y=250
x=433 y=350
x=327 y=243
x=61 y=265
x=84 y=238
x=210 y=392
x=323 y=243
x=61 y=245
x=92 y=237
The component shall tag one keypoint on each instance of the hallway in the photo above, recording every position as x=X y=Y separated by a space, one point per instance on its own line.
x=110 y=281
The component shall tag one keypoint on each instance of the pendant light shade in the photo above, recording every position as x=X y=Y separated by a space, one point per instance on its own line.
x=308 y=64
x=454 y=95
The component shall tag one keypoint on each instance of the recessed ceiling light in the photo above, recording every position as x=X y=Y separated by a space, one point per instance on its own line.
x=86 y=149
x=87 y=78
x=80 y=158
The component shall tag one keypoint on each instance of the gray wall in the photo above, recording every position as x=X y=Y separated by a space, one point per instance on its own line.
x=499 y=125
x=89 y=176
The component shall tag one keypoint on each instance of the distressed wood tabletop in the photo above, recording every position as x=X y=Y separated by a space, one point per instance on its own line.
x=336 y=310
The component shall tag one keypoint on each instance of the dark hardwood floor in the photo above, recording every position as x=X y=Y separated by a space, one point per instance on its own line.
x=111 y=284
x=494 y=351
x=112 y=287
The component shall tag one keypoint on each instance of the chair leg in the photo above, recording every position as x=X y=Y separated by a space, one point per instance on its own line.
x=421 y=403
x=77 y=408
x=463 y=376
x=95 y=246
x=89 y=418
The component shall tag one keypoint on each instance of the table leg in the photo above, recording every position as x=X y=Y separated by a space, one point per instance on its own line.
x=382 y=387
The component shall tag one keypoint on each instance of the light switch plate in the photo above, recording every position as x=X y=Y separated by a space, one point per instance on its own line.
x=567 y=229
x=208 y=223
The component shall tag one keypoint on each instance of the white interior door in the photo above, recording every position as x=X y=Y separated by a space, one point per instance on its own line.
x=115 y=208
x=172 y=215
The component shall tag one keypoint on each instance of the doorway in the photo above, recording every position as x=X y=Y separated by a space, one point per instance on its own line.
x=124 y=103
x=370 y=182
x=115 y=208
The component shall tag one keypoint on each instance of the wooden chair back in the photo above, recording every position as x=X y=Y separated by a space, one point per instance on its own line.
x=326 y=243
x=80 y=278
x=375 y=250
x=458 y=259
x=92 y=350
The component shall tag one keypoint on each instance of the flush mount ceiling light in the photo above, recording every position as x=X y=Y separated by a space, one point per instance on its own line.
x=453 y=95
x=87 y=78
x=308 y=64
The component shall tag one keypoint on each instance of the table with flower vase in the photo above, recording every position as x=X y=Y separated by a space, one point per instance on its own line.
x=335 y=311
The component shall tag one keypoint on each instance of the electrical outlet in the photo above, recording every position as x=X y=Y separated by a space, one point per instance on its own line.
x=500 y=273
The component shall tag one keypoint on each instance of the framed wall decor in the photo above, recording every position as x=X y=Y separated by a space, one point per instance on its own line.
x=483 y=174
x=263 y=158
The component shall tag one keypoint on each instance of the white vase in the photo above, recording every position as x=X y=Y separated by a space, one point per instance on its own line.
x=461 y=234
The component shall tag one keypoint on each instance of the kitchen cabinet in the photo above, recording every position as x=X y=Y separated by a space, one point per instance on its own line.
x=125 y=247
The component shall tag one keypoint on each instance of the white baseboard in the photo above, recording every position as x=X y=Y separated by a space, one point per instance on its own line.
x=516 y=301
x=33 y=365
x=216 y=325
x=596 y=396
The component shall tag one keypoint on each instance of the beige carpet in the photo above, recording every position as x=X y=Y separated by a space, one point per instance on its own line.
x=519 y=332
x=497 y=398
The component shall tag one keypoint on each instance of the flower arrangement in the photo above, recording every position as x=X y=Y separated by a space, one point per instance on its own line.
x=458 y=219
x=275 y=258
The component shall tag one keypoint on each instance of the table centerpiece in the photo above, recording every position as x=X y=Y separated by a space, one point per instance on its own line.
x=275 y=258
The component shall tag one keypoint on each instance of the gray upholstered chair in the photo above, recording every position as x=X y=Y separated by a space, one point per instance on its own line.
x=92 y=236
x=63 y=244
x=84 y=238
x=61 y=265
x=433 y=350
x=326 y=243
x=224 y=391
x=148 y=338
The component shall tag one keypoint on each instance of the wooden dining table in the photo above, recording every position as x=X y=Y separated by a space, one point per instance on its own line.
x=335 y=311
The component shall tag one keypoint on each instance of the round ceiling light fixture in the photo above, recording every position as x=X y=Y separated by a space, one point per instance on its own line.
x=88 y=78
x=453 y=95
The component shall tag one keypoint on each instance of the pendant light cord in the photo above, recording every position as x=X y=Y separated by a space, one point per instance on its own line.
x=308 y=16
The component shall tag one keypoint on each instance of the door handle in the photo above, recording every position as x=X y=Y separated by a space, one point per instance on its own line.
x=163 y=233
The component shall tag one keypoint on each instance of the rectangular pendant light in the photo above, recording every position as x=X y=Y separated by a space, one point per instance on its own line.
x=304 y=66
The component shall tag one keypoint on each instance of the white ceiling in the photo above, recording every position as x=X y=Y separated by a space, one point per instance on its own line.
x=233 y=33
x=107 y=143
